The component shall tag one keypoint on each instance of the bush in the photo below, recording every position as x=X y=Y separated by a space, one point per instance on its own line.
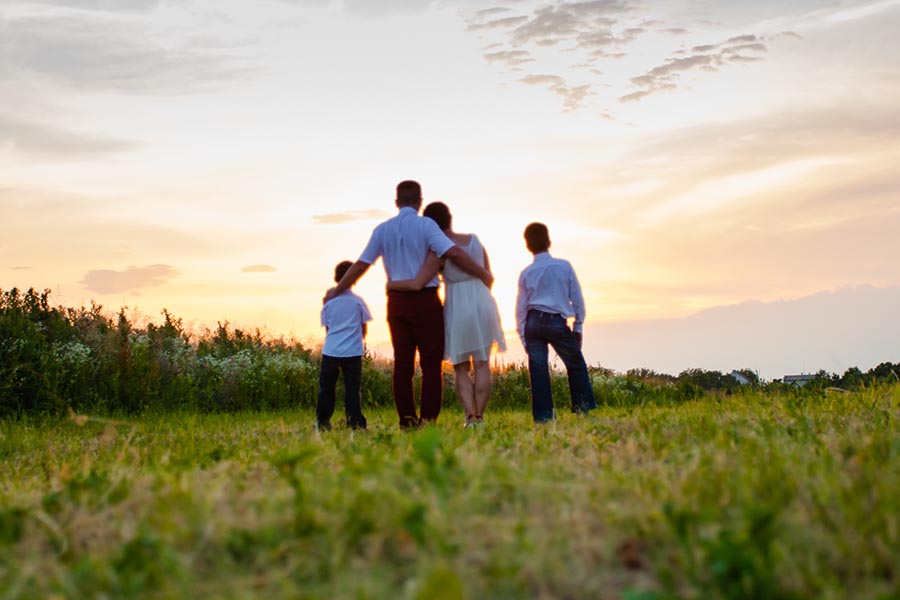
x=53 y=359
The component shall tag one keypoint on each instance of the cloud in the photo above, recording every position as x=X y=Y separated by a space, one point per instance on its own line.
x=132 y=279
x=634 y=96
x=259 y=269
x=487 y=13
x=504 y=22
x=534 y=38
x=371 y=8
x=790 y=201
x=127 y=6
x=553 y=24
x=572 y=96
x=594 y=29
x=349 y=216
x=707 y=57
x=22 y=136
x=93 y=51
x=511 y=58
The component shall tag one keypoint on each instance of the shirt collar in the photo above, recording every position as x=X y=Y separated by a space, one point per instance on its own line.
x=407 y=210
x=542 y=256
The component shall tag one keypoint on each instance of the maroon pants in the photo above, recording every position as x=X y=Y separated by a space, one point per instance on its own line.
x=416 y=321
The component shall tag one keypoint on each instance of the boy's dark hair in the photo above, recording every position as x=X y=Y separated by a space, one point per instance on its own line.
x=440 y=214
x=537 y=238
x=409 y=193
x=340 y=269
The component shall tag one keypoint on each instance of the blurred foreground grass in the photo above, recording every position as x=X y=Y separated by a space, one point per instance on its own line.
x=755 y=496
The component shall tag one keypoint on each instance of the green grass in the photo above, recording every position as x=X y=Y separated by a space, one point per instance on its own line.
x=755 y=496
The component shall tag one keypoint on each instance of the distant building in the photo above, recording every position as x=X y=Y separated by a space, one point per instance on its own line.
x=741 y=379
x=798 y=380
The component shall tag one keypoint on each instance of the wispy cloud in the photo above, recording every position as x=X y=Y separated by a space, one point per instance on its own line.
x=127 y=6
x=592 y=28
x=259 y=269
x=783 y=169
x=511 y=58
x=707 y=57
x=552 y=24
x=132 y=279
x=91 y=51
x=572 y=96
x=369 y=8
x=41 y=140
x=501 y=23
x=349 y=216
x=533 y=38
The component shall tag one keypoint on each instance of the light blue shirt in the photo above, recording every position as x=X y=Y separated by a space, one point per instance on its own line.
x=403 y=243
x=343 y=319
x=549 y=285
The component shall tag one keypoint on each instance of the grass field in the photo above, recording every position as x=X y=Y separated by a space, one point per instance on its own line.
x=754 y=496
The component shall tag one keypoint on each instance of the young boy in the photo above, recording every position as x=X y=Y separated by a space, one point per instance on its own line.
x=549 y=294
x=344 y=319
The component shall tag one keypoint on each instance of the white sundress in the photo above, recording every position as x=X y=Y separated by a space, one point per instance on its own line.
x=471 y=319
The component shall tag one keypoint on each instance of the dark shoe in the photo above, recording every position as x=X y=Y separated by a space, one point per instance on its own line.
x=322 y=426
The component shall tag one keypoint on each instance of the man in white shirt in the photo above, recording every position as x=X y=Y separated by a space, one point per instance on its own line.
x=549 y=294
x=415 y=319
x=344 y=320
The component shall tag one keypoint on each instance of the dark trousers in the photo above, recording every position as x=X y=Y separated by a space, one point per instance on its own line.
x=416 y=321
x=328 y=375
x=543 y=329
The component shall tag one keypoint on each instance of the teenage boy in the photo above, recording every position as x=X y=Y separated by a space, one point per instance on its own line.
x=344 y=319
x=549 y=294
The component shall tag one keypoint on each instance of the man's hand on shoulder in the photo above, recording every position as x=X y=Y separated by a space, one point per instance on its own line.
x=329 y=295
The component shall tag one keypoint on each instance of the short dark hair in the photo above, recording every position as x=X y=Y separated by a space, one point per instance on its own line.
x=537 y=237
x=341 y=268
x=439 y=213
x=409 y=193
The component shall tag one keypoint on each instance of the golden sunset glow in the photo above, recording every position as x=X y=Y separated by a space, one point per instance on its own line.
x=707 y=167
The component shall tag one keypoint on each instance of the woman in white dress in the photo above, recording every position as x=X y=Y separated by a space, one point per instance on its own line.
x=471 y=320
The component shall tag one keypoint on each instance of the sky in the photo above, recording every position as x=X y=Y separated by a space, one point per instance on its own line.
x=218 y=158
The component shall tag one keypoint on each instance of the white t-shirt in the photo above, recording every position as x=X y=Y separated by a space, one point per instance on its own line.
x=403 y=243
x=343 y=318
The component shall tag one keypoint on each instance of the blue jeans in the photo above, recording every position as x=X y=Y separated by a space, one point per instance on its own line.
x=543 y=329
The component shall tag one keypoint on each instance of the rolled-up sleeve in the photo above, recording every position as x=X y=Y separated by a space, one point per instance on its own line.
x=577 y=299
x=521 y=308
x=374 y=248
